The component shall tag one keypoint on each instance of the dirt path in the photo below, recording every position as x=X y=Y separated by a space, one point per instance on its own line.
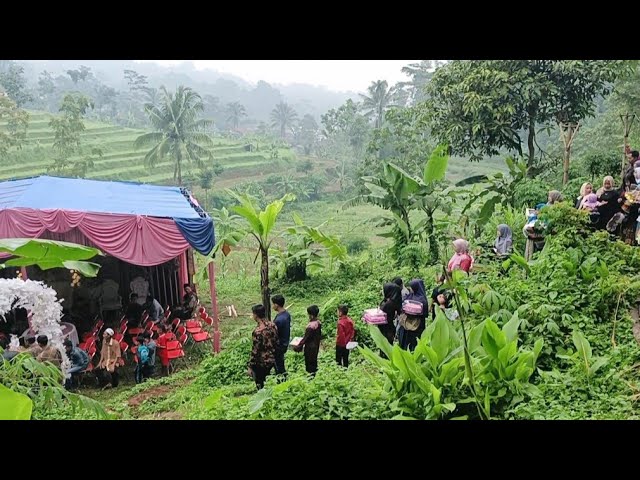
x=158 y=391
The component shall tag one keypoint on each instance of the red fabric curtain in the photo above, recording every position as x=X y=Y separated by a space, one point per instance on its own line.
x=135 y=239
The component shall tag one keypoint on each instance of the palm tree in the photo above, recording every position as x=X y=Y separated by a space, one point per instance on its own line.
x=378 y=101
x=178 y=133
x=235 y=111
x=283 y=116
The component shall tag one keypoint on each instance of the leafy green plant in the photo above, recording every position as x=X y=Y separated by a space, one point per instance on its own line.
x=42 y=383
x=427 y=381
x=308 y=248
x=259 y=225
x=333 y=394
x=583 y=357
x=500 y=188
x=504 y=369
x=357 y=245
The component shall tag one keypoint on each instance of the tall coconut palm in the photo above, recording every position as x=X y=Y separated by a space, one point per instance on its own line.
x=378 y=101
x=235 y=111
x=179 y=134
x=283 y=117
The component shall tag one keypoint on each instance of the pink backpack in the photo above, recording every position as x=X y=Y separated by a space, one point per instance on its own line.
x=411 y=307
x=374 y=316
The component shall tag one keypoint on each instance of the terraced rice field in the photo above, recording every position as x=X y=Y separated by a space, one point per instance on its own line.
x=120 y=161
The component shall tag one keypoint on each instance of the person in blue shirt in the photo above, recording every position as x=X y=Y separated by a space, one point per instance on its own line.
x=283 y=324
x=79 y=361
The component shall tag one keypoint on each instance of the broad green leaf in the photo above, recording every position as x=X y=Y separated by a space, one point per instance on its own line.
x=87 y=269
x=597 y=364
x=492 y=338
x=47 y=254
x=510 y=329
x=475 y=337
x=212 y=400
x=436 y=167
x=44 y=249
x=251 y=216
x=13 y=405
x=257 y=400
x=440 y=336
x=380 y=340
x=487 y=209
x=583 y=348
x=507 y=352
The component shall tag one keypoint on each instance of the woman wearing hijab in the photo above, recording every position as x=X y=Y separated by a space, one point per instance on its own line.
x=585 y=190
x=398 y=281
x=608 y=196
x=504 y=242
x=413 y=324
x=392 y=306
x=461 y=259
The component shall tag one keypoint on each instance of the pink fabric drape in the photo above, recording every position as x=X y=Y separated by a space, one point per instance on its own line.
x=135 y=239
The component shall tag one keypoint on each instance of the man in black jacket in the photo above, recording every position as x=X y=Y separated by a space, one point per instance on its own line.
x=283 y=324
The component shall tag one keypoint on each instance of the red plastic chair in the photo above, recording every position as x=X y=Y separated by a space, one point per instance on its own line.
x=118 y=337
x=209 y=321
x=87 y=344
x=181 y=330
x=124 y=347
x=200 y=337
x=193 y=326
x=150 y=326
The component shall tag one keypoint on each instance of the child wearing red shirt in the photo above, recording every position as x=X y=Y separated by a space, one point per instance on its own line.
x=345 y=334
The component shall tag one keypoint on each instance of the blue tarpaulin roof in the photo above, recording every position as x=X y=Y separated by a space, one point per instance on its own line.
x=125 y=198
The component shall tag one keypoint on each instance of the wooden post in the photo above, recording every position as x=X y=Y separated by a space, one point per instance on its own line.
x=214 y=308
x=569 y=131
x=627 y=121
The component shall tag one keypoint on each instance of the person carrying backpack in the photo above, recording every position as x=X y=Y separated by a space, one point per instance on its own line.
x=143 y=356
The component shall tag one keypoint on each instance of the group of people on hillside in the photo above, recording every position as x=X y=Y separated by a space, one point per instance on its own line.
x=406 y=309
x=271 y=340
x=611 y=207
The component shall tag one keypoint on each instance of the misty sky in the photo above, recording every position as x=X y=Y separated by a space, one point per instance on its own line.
x=340 y=75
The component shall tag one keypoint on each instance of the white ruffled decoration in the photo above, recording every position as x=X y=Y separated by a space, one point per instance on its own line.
x=46 y=310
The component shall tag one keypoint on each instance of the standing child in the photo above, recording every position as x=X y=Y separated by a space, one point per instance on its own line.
x=311 y=341
x=142 y=355
x=165 y=337
x=345 y=334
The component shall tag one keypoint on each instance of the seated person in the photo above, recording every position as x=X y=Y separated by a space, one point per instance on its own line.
x=49 y=352
x=33 y=347
x=154 y=309
x=79 y=362
x=189 y=303
x=504 y=241
x=134 y=311
x=6 y=353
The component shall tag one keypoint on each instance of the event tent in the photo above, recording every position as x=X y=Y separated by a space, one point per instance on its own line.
x=143 y=225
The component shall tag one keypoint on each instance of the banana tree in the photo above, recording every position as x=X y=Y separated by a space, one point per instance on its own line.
x=306 y=250
x=501 y=189
x=394 y=191
x=47 y=254
x=259 y=225
x=432 y=197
